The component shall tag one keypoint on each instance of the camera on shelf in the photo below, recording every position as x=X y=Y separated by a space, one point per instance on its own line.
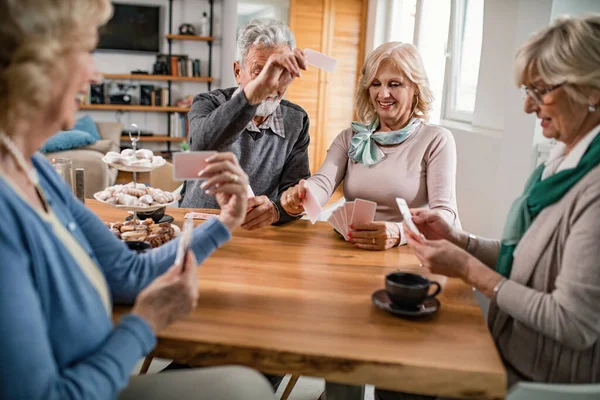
x=120 y=93
x=161 y=66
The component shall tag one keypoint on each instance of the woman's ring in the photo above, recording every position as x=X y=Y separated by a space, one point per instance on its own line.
x=234 y=178
x=288 y=197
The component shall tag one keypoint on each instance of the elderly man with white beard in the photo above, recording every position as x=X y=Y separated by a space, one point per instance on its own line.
x=268 y=135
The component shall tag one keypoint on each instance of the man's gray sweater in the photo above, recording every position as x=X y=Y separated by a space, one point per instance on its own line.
x=273 y=162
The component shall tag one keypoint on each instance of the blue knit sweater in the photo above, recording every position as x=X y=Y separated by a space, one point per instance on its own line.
x=56 y=339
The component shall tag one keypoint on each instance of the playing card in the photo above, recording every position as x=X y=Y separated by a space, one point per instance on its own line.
x=187 y=165
x=311 y=204
x=405 y=211
x=332 y=221
x=198 y=215
x=339 y=217
x=349 y=207
x=184 y=241
x=364 y=211
x=250 y=192
x=320 y=60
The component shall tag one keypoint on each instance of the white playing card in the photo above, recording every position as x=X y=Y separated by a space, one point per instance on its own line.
x=364 y=211
x=405 y=211
x=250 y=192
x=311 y=204
x=184 y=240
x=320 y=60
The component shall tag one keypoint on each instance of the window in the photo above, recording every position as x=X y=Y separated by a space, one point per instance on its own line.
x=448 y=34
x=462 y=71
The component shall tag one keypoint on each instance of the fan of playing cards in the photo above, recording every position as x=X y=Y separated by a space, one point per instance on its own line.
x=352 y=212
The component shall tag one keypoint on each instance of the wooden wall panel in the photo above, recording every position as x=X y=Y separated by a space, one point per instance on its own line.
x=306 y=21
x=337 y=28
x=349 y=23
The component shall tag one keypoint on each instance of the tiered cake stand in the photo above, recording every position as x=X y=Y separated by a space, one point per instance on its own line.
x=135 y=169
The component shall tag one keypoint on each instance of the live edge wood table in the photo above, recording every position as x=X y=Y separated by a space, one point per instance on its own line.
x=297 y=299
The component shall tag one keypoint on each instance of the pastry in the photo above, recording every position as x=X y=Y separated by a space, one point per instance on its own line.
x=134 y=236
x=134 y=192
x=144 y=154
x=131 y=228
x=128 y=153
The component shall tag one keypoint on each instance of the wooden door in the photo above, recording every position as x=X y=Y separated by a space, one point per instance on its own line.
x=337 y=28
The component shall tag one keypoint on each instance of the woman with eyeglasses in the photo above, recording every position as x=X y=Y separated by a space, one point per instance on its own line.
x=543 y=277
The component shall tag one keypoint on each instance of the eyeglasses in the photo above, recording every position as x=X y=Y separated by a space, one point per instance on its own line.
x=536 y=94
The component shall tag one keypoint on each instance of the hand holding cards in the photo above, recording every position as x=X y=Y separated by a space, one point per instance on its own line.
x=358 y=211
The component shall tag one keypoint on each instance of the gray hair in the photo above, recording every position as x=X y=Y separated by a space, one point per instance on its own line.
x=263 y=32
x=566 y=51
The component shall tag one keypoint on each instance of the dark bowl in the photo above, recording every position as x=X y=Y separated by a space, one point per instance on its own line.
x=140 y=247
x=155 y=215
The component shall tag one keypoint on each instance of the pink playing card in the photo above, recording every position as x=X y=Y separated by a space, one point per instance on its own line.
x=187 y=165
x=311 y=204
x=364 y=211
x=198 y=215
x=349 y=207
x=332 y=221
x=339 y=216
x=320 y=60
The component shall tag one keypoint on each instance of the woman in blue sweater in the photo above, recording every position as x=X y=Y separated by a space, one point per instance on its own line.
x=60 y=268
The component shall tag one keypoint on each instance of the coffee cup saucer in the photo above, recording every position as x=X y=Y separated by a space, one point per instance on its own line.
x=381 y=299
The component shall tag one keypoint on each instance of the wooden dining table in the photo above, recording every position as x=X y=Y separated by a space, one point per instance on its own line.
x=296 y=299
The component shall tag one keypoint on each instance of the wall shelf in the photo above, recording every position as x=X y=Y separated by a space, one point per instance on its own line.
x=125 y=107
x=157 y=138
x=144 y=77
x=190 y=37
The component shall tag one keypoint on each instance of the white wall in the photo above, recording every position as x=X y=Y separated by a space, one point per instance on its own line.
x=574 y=7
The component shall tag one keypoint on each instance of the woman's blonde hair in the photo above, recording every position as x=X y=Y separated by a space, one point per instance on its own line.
x=34 y=36
x=405 y=57
x=566 y=51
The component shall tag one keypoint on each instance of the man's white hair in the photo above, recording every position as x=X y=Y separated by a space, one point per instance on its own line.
x=263 y=32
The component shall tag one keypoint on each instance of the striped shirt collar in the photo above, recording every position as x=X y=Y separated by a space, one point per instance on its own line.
x=274 y=122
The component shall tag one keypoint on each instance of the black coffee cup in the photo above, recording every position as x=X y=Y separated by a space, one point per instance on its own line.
x=409 y=290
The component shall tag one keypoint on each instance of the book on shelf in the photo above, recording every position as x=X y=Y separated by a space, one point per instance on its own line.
x=174 y=66
x=179 y=125
x=183 y=65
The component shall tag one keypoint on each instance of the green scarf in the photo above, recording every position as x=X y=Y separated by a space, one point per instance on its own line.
x=362 y=150
x=539 y=194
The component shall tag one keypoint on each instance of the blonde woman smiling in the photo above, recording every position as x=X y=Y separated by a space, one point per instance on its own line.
x=392 y=152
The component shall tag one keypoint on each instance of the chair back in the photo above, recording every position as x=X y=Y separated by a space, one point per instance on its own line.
x=543 y=391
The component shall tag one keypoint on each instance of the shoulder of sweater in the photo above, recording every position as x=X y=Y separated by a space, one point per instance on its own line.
x=590 y=183
x=288 y=106
x=218 y=96
x=436 y=132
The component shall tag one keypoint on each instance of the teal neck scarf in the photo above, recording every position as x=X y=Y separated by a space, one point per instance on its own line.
x=538 y=195
x=362 y=148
